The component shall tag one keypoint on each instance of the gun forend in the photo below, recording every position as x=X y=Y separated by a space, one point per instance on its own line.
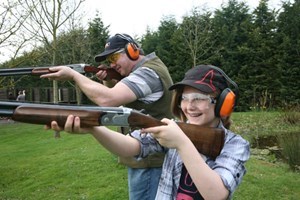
x=45 y=70
x=89 y=115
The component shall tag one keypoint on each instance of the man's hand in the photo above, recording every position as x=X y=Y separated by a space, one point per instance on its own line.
x=102 y=74
x=60 y=73
x=108 y=76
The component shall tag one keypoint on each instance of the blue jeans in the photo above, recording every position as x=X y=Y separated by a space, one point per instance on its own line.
x=143 y=183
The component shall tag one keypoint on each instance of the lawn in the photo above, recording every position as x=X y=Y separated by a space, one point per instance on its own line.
x=35 y=165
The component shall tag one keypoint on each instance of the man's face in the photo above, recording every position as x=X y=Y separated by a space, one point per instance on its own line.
x=120 y=62
x=198 y=107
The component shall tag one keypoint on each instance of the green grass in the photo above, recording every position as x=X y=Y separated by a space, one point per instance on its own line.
x=265 y=180
x=252 y=125
x=34 y=165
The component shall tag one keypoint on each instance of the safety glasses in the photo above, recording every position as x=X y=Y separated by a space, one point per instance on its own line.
x=197 y=99
x=113 y=58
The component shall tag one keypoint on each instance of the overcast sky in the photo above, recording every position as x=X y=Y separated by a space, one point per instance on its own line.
x=133 y=16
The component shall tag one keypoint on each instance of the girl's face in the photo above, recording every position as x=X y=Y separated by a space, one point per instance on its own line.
x=199 y=108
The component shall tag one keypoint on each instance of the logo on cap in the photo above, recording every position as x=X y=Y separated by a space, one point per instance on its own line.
x=107 y=45
x=208 y=80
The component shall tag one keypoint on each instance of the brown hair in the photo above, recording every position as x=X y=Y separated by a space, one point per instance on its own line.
x=175 y=104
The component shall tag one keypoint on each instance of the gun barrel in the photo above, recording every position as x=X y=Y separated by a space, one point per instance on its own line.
x=15 y=71
x=7 y=108
x=36 y=70
x=6 y=112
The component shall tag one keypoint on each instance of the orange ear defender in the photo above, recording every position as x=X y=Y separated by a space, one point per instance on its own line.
x=227 y=100
x=131 y=49
x=225 y=103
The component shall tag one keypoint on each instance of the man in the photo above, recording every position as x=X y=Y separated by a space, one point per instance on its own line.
x=21 y=96
x=144 y=87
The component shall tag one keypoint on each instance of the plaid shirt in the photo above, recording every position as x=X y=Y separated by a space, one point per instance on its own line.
x=229 y=164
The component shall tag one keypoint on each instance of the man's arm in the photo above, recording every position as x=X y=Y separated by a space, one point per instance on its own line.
x=100 y=94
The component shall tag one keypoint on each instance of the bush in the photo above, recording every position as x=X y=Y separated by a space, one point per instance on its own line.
x=291 y=115
x=290 y=144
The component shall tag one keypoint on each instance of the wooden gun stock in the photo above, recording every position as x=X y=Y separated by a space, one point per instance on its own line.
x=208 y=141
x=111 y=73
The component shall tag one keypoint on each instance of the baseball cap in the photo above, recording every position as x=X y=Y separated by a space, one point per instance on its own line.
x=113 y=44
x=206 y=78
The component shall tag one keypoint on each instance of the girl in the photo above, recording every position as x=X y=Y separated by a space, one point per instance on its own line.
x=187 y=174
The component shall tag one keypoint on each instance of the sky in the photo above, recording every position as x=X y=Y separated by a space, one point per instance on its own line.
x=134 y=16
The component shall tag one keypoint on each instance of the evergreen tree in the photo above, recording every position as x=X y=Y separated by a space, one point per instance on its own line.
x=288 y=41
x=149 y=41
x=231 y=27
x=265 y=86
x=97 y=36
x=161 y=42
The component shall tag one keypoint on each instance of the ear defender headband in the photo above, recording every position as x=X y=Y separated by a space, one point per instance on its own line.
x=131 y=49
x=227 y=100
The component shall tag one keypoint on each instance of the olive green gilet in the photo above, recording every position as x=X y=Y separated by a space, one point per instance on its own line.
x=160 y=108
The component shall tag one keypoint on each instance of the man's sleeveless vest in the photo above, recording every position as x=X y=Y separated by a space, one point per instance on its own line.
x=158 y=109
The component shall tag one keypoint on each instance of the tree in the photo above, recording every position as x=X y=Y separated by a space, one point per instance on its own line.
x=231 y=28
x=265 y=85
x=11 y=22
x=149 y=41
x=47 y=18
x=162 y=43
x=196 y=35
x=12 y=39
x=288 y=41
x=97 y=36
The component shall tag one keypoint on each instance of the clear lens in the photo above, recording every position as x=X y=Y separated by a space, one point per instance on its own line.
x=196 y=99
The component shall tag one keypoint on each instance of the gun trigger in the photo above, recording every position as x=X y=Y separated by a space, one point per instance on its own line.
x=142 y=111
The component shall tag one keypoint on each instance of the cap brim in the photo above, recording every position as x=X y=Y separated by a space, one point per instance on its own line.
x=176 y=85
x=201 y=87
x=102 y=56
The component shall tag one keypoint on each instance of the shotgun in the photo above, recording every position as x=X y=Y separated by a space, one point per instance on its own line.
x=208 y=141
x=81 y=68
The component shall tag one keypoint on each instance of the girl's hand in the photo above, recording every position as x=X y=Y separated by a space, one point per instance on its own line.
x=169 y=135
x=72 y=125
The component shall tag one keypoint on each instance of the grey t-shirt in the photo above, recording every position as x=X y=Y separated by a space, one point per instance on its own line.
x=145 y=84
